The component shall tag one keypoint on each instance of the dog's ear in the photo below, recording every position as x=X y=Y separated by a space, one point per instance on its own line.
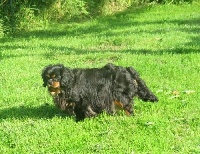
x=134 y=74
x=62 y=69
x=44 y=71
x=110 y=66
x=66 y=76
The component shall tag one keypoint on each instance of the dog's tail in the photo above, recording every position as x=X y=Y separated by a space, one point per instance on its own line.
x=143 y=91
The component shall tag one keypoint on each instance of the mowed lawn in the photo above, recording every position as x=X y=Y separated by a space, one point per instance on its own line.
x=161 y=42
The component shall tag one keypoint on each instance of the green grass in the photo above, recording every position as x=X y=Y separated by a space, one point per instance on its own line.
x=161 y=42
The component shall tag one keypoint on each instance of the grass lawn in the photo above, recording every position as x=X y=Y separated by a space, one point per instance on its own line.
x=161 y=42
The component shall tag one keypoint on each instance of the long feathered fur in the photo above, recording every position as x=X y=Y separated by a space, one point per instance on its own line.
x=88 y=92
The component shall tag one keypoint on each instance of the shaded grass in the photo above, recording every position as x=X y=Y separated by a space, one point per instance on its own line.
x=161 y=42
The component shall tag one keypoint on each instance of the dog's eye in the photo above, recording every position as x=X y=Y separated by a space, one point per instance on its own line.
x=53 y=76
x=47 y=76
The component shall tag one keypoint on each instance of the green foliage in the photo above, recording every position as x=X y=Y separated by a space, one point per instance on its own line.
x=1 y=28
x=67 y=10
x=108 y=7
x=172 y=1
x=18 y=15
x=27 y=20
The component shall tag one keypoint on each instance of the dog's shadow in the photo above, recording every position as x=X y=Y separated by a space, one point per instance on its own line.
x=45 y=111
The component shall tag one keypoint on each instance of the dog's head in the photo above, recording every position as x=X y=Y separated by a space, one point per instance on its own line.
x=51 y=76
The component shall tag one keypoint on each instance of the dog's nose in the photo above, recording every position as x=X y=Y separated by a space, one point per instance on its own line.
x=50 y=81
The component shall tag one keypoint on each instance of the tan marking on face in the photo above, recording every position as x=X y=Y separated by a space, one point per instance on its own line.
x=54 y=91
x=54 y=87
x=55 y=84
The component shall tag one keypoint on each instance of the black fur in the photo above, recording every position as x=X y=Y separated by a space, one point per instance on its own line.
x=89 y=92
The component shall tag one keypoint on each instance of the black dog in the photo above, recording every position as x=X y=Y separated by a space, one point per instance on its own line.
x=88 y=92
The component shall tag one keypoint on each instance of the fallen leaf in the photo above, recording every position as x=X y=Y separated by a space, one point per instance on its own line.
x=188 y=91
x=175 y=96
x=159 y=91
x=175 y=92
x=149 y=123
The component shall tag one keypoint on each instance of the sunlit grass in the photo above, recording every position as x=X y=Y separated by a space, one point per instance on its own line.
x=161 y=42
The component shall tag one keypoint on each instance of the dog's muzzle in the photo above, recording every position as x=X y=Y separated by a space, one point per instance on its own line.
x=54 y=88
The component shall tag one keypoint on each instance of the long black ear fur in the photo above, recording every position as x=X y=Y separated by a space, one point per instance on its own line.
x=44 y=71
x=62 y=68
x=143 y=91
x=66 y=76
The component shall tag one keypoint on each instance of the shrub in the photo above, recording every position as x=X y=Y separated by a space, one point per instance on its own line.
x=27 y=20
x=1 y=28
x=20 y=15
x=66 y=10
